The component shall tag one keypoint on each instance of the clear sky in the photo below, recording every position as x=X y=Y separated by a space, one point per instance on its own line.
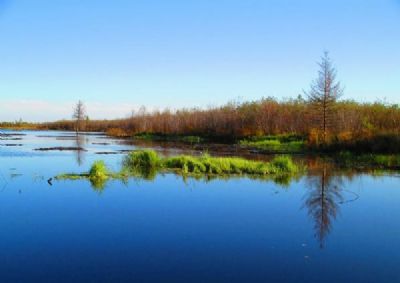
x=117 y=55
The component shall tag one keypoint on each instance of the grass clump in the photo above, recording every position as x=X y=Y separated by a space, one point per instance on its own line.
x=142 y=159
x=141 y=163
x=284 y=164
x=98 y=174
x=146 y=164
x=98 y=170
x=148 y=160
x=206 y=164
x=187 y=164
x=276 y=144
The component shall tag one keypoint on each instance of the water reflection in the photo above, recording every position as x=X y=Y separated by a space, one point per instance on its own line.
x=323 y=199
x=98 y=184
x=80 y=142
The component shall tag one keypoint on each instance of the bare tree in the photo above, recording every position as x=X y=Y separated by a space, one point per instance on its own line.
x=323 y=95
x=79 y=115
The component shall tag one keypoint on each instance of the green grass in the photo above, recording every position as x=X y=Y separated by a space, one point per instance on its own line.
x=161 y=137
x=382 y=161
x=141 y=163
x=72 y=176
x=99 y=170
x=276 y=144
x=147 y=163
x=205 y=164
x=228 y=165
x=97 y=175
x=141 y=159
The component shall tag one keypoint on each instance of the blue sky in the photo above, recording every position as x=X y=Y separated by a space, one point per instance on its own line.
x=118 y=55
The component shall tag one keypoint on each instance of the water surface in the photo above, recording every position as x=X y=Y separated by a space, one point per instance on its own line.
x=326 y=226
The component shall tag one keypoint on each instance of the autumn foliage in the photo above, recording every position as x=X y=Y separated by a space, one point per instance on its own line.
x=355 y=124
x=353 y=121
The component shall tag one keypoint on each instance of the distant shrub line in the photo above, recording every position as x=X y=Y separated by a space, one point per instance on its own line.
x=365 y=127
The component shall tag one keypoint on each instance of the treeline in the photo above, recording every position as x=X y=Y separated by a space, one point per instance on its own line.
x=19 y=124
x=353 y=124
x=267 y=116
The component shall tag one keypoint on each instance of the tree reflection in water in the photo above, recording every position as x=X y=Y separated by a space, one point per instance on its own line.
x=79 y=153
x=323 y=199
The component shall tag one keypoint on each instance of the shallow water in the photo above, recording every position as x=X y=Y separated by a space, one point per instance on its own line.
x=327 y=226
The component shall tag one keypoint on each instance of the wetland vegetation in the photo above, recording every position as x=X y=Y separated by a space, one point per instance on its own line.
x=307 y=195
x=147 y=163
x=320 y=122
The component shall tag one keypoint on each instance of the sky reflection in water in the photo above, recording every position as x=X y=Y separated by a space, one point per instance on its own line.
x=324 y=227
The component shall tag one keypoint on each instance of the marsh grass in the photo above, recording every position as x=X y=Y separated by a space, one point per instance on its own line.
x=98 y=175
x=99 y=170
x=206 y=164
x=383 y=161
x=164 y=137
x=146 y=164
x=276 y=144
x=141 y=159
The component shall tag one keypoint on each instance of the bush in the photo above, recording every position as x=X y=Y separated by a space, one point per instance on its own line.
x=117 y=132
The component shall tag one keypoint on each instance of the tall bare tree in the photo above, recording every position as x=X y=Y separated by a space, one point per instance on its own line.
x=323 y=95
x=79 y=115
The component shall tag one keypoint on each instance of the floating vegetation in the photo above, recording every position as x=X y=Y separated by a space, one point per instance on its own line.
x=97 y=175
x=146 y=164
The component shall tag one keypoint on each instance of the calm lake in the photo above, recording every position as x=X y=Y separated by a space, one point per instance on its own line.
x=325 y=226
